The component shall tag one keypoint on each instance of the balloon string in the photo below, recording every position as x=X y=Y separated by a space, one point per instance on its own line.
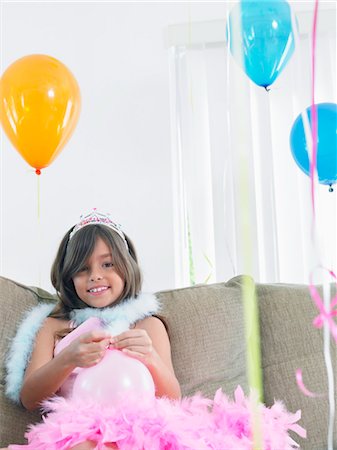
x=326 y=309
x=38 y=199
x=330 y=371
x=314 y=127
x=39 y=246
x=249 y=299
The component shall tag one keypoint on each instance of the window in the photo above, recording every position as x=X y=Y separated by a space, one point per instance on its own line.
x=232 y=163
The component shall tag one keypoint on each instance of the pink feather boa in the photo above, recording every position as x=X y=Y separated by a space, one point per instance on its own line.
x=160 y=424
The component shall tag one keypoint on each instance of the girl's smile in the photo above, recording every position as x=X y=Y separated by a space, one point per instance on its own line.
x=98 y=290
x=97 y=283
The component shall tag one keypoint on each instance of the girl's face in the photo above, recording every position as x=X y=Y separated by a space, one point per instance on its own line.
x=97 y=283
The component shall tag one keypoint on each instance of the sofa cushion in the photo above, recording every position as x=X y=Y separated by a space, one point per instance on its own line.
x=206 y=331
x=289 y=342
x=15 y=301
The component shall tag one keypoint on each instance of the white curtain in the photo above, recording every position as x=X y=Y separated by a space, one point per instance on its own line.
x=232 y=164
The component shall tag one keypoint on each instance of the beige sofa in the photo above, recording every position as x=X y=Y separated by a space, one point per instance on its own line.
x=205 y=325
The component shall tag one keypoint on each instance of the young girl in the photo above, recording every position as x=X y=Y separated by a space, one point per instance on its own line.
x=101 y=363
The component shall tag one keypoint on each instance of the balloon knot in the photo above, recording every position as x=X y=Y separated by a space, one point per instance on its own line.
x=330 y=188
x=267 y=88
x=38 y=172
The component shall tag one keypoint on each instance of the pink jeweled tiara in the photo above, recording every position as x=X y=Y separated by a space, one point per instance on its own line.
x=96 y=218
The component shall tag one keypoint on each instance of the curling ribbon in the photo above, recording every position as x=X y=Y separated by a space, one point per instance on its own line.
x=325 y=308
x=318 y=322
x=303 y=389
x=324 y=316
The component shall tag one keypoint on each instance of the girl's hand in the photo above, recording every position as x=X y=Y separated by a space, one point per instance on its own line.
x=88 y=349
x=149 y=343
x=135 y=343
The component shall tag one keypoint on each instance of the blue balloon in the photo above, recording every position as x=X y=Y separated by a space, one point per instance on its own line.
x=326 y=143
x=261 y=38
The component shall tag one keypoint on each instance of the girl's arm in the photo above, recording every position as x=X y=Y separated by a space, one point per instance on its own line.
x=149 y=343
x=45 y=373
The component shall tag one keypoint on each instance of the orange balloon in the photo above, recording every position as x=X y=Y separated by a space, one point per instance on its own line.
x=39 y=107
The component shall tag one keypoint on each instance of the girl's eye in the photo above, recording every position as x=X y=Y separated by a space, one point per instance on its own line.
x=108 y=264
x=83 y=269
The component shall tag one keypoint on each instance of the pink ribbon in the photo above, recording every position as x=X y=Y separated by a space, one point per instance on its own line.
x=323 y=314
x=324 y=317
x=318 y=323
x=300 y=384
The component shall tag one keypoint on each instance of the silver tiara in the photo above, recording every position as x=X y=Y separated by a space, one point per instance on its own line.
x=96 y=218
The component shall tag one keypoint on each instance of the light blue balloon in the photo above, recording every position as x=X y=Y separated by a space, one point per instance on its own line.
x=326 y=143
x=265 y=39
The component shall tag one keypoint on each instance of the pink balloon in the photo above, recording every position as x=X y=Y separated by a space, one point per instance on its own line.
x=115 y=376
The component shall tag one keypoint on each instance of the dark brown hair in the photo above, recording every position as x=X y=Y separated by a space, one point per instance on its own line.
x=72 y=256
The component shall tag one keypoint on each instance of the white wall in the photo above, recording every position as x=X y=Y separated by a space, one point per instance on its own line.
x=119 y=158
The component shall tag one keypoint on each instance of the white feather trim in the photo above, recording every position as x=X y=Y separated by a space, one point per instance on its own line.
x=116 y=319
x=21 y=348
x=119 y=318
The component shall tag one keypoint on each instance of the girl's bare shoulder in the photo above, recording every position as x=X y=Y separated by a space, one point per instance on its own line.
x=151 y=323
x=54 y=326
